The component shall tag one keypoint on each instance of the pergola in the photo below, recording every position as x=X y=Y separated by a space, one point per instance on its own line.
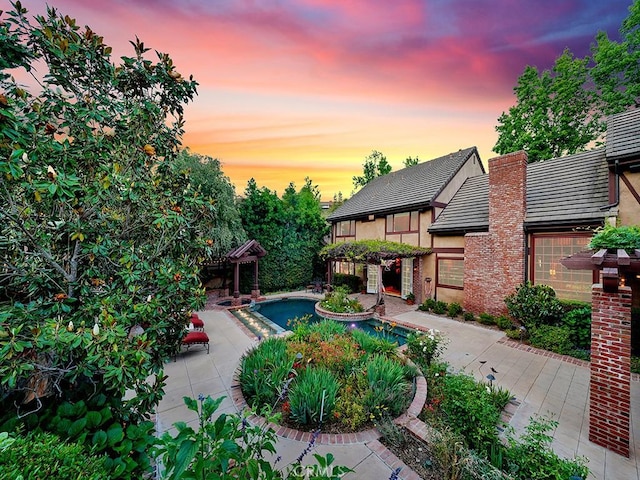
x=370 y=252
x=610 y=385
x=249 y=252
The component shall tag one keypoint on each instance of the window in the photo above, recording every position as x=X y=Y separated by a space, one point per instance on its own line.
x=402 y=222
x=450 y=272
x=547 y=269
x=346 y=228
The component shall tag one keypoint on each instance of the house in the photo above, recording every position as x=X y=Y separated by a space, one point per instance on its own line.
x=400 y=207
x=519 y=220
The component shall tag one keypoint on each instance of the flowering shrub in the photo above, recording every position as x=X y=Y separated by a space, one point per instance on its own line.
x=338 y=301
x=425 y=347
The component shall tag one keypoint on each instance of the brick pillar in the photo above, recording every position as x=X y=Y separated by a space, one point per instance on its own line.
x=610 y=388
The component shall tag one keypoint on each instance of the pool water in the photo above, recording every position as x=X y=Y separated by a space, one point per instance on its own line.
x=281 y=311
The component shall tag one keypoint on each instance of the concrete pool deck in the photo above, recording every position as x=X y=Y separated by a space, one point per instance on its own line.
x=541 y=383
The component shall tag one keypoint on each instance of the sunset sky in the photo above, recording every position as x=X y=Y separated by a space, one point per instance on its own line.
x=290 y=89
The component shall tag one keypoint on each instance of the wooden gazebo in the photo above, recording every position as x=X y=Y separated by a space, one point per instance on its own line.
x=610 y=386
x=249 y=252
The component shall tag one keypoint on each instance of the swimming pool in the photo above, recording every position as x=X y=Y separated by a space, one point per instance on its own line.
x=279 y=312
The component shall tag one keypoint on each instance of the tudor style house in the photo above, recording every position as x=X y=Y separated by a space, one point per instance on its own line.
x=400 y=207
x=516 y=223
x=488 y=233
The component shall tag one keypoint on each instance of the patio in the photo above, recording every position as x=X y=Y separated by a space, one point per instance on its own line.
x=542 y=383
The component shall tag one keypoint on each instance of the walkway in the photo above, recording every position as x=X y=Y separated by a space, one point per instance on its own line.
x=542 y=385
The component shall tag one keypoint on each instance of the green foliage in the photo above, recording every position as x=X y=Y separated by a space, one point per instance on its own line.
x=626 y=237
x=352 y=282
x=338 y=301
x=313 y=396
x=375 y=165
x=552 y=338
x=468 y=316
x=466 y=406
x=448 y=450
x=410 y=161
x=371 y=251
x=635 y=364
x=616 y=70
x=93 y=423
x=373 y=344
x=227 y=446
x=427 y=305
x=440 y=307
x=291 y=229
x=388 y=388
x=579 y=324
x=534 y=305
x=553 y=115
x=100 y=227
x=486 y=319
x=454 y=310
x=264 y=369
x=503 y=322
x=531 y=455
x=44 y=455
x=425 y=347
x=392 y=433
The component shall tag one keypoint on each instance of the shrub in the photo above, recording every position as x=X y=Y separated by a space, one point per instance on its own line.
x=388 y=388
x=469 y=409
x=338 y=301
x=327 y=329
x=372 y=344
x=425 y=347
x=468 y=316
x=626 y=237
x=534 y=305
x=427 y=305
x=228 y=447
x=635 y=364
x=552 y=338
x=531 y=455
x=515 y=333
x=392 y=433
x=454 y=310
x=44 y=455
x=503 y=322
x=351 y=282
x=579 y=324
x=486 y=319
x=264 y=369
x=569 y=305
x=440 y=307
x=313 y=396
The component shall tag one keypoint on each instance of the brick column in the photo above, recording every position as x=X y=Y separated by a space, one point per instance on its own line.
x=610 y=401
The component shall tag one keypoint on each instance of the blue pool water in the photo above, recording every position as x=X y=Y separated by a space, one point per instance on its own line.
x=283 y=310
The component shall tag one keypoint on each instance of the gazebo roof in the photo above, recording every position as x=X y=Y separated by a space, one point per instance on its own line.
x=611 y=262
x=247 y=251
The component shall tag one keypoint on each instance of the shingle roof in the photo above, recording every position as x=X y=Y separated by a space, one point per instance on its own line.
x=561 y=191
x=623 y=135
x=570 y=189
x=468 y=210
x=410 y=188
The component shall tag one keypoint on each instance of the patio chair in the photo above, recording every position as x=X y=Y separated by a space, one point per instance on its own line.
x=196 y=338
x=196 y=321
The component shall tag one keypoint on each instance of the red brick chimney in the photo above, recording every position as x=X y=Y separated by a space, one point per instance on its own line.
x=494 y=262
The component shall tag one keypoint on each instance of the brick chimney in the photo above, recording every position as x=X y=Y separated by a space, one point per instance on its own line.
x=494 y=261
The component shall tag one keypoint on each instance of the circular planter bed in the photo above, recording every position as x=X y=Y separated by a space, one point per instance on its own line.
x=329 y=383
x=343 y=317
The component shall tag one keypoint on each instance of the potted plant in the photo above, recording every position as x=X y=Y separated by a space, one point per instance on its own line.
x=410 y=298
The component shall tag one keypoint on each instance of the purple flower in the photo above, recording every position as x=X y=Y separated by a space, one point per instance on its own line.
x=309 y=447
x=395 y=473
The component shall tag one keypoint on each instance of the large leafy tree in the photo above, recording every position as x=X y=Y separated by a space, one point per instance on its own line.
x=375 y=165
x=291 y=229
x=616 y=70
x=563 y=110
x=553 y=115
x=100 y=232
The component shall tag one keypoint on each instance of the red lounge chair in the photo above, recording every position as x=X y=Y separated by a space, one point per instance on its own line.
x=197 y=323
x=196 y=338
